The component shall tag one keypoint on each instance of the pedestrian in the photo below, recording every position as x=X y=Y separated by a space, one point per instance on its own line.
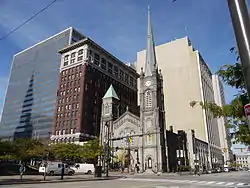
x=62 y=171
x=22 y=169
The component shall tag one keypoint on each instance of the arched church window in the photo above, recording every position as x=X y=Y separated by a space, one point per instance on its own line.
x=149 y=139
x=106 y=109
x=148 y=99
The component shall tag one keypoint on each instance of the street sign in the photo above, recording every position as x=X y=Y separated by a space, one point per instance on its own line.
x=247 y=112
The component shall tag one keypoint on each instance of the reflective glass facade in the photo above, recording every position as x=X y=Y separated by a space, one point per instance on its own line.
x=31 y=94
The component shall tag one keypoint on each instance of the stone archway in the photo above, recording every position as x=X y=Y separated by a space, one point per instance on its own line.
x=149 y=161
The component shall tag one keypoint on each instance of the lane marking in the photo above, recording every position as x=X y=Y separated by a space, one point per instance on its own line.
x=230 y=183
x=219 y=183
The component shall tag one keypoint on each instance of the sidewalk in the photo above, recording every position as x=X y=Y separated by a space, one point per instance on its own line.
x=35 y=179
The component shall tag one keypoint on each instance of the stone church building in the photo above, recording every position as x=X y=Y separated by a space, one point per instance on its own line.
x=141 y=138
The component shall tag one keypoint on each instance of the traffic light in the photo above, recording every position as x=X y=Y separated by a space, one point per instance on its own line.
x=130 y=139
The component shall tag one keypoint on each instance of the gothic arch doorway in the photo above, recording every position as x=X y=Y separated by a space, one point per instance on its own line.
x=149 y=163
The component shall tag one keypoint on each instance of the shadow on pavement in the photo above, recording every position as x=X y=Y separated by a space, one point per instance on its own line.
x=11 y=181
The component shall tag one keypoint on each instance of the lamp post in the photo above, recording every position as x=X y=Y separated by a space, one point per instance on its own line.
x=107 y=149
x=241 y=24
x=47 y=158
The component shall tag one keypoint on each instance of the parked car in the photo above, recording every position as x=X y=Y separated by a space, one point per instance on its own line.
x=54 y=168
x=83 y=168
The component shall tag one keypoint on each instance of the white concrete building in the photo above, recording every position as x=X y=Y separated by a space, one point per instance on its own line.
x=187 y=78
x=243 y=159
x=223 y=131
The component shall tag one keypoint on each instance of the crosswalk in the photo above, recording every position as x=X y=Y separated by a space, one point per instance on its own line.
x=197 y=182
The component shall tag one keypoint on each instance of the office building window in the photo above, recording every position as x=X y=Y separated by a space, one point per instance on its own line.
x=79 y=58
x=121 y=75
x=66 y=58
x=110 y=68
x=126 y=78
x=73 y=55
x=131 y=81
x=97 y=59
x=116 y=71
x=103 y=64
x=72 y=61
x=80 y=52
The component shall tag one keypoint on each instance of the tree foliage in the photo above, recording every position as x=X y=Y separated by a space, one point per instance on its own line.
x=26 y=149
x=232 y=75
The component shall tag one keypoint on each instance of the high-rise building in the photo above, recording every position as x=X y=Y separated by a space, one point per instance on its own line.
x=225 y=140
x=86 y=72
x=187 y=78
x=31 y=93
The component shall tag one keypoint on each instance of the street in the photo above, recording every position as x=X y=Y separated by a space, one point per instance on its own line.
x=232 y=179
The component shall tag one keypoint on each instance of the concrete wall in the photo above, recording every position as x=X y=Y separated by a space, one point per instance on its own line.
x=179 y=64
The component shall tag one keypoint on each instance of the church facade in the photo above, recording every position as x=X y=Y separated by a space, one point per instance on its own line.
x=141 y=140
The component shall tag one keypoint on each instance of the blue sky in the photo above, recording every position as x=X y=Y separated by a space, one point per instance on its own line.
x=120 y=27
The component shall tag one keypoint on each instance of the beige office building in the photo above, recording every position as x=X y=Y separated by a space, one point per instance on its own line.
x=223 y=131
x=187 y=78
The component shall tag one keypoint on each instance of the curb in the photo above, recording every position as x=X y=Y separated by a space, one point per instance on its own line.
x=57 y=181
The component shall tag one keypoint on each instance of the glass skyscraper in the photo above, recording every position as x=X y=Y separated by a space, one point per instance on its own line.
x=32 y=89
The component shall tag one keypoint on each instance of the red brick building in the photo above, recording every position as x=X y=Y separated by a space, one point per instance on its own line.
x=87 y=70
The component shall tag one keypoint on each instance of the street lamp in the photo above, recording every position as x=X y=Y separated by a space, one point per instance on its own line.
x=241 y=24
x=107 y=149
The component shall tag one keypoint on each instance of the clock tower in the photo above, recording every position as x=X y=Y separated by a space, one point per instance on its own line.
x=152 y=114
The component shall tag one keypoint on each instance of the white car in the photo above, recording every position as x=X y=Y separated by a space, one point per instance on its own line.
x=226 y=170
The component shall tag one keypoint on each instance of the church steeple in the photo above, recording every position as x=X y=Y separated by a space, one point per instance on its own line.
x=150 y=51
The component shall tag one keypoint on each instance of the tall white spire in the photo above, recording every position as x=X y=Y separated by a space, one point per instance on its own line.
x=150 y=52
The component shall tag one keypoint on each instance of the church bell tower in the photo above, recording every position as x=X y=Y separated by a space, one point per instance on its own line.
x=152 y=112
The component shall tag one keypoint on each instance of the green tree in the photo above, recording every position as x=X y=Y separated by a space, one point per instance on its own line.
x=26 y=149
x=66 y=151
x=232 y=75
x=6 y=150
x=91 y=150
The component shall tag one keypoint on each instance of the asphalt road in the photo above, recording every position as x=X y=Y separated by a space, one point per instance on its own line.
x=232 y=179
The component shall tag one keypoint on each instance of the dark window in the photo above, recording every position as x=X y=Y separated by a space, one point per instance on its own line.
x=73 y=55
x=97 y=59
x=110 y=68
x=66 y=58
x=126 y=78
x=65 y=63
x=131 y=81
x=116 y=71
x=80 y=52
x=121 y=75
x=79 y=58
x=103 y=64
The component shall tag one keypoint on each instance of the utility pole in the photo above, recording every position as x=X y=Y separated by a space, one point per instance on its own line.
x=241 y=24
x=107 y=150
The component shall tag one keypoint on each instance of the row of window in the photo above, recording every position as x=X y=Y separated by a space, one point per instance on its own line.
x=68 y=99
x=73 y=57
x=71 y=70
x=67 y=123
x=243 y=158
x=70 y=77
x=66 y=131
x=69 y=91
x=242 y=161
x=68 y=107
x=70 y=84
x=68 y=114
x=112 y=69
